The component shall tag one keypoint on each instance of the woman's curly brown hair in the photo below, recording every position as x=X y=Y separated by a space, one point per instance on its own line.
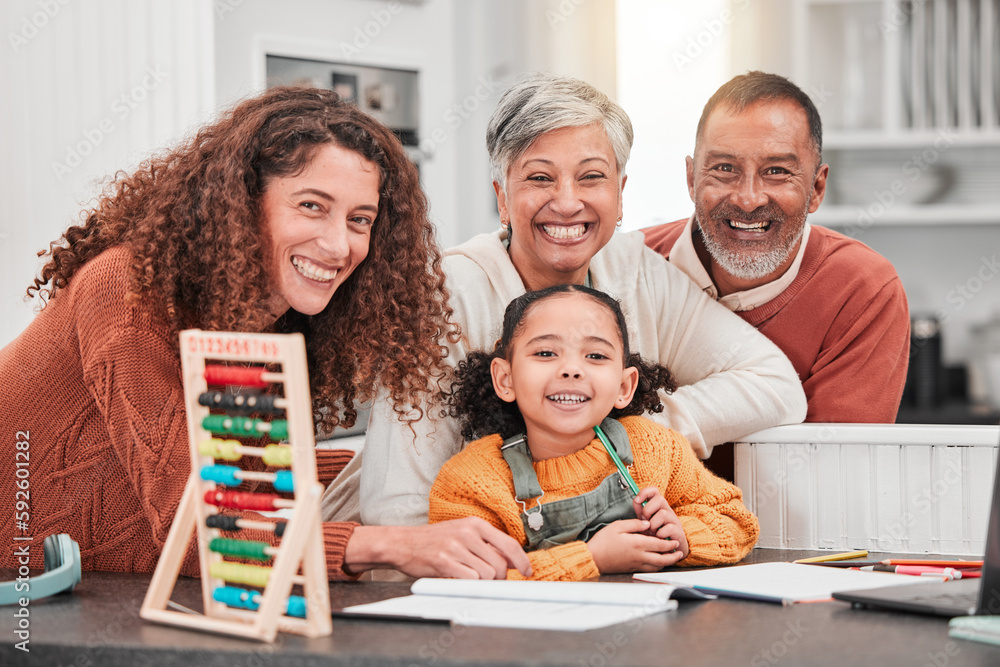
x=473 y=401
x=191 y=218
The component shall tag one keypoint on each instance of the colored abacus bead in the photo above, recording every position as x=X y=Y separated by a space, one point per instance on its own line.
x=253 y=575
x=225 y=475
x=223 y=522
x=233 y=476
x=232 y=524
x=278 y=456
x=241 y=548
x=242 y=598
x=227 y=450
x=242 y=403
x=230 y=375
x=283 y=481
x=238 y=500
x=244 y=426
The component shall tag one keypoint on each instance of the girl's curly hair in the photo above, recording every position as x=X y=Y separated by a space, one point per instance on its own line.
x=480 y=411
x=191 y=219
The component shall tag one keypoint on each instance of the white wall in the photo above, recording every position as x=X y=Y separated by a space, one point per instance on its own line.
x=89 y=88
x=466 y=51
x=172 y=61
x=671 y=58
x=408 y=35
x=497 y=41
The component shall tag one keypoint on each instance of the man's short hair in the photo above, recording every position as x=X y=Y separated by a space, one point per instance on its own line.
x=745 y=89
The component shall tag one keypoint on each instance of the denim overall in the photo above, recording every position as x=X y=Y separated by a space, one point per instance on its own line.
x=570 y=519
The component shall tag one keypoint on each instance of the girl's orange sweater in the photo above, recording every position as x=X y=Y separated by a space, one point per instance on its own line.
x=478 y=482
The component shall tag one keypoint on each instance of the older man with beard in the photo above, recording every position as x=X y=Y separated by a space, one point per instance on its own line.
x=831 y=303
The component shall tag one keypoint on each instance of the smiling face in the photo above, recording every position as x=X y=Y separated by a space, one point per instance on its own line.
x=565 y=371
x=563 y=199
x=754 y=178
x=320 y=223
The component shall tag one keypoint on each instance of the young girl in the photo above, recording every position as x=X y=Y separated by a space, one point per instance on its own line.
x=561 y=368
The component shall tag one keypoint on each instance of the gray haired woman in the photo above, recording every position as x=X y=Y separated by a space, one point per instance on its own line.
x=558 y=149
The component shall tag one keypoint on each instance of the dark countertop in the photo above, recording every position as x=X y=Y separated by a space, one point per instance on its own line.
x=99 y=624
x=949 y=412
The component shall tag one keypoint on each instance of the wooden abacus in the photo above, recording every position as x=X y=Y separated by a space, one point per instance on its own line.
x=230 y=609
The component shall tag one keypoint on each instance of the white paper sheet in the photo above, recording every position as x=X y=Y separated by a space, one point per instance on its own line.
x=781 y=582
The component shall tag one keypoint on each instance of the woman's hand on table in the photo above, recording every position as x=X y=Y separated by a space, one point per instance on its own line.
x=468 y=548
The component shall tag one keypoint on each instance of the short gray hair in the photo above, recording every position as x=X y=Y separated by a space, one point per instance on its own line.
x=745 y=89
x=541 y=103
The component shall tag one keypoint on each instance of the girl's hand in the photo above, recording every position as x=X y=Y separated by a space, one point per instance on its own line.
x=624 y=546
x=663 y=523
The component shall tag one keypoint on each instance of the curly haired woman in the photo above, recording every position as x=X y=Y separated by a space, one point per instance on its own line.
x=294 y=212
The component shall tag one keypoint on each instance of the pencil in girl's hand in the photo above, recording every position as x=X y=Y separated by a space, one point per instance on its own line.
x=622 y=470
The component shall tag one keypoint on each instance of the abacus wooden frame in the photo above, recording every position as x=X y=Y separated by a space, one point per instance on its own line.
x=302 y=542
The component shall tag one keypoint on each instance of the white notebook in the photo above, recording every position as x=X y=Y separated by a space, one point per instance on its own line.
x=532 y=605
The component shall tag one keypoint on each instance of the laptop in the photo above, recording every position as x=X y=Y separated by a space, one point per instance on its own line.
x=965 y=597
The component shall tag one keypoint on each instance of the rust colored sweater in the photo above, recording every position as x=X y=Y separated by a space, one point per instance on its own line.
x=478 y=482
x=93 y=386
x=843 y=322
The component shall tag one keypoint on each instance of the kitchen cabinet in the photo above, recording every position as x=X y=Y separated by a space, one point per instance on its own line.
x=909 y=92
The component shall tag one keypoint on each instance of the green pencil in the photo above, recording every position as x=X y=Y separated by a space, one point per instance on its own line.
x=622 y=470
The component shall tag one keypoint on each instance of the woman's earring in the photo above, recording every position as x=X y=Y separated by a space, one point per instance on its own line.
x=619 y=223
x=504 y=223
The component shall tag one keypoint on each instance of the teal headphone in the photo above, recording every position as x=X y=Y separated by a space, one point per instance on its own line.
x=62 y=573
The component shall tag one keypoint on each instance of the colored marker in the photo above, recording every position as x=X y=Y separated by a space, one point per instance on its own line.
x=949 y=572
x=847 y=564
x=940 y=563
x=844 y=556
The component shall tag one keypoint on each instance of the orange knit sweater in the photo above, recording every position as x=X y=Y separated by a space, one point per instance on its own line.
x=478 y=482
x=93 y=385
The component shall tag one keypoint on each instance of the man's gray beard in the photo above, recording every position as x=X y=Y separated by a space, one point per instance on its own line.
x=749 y=265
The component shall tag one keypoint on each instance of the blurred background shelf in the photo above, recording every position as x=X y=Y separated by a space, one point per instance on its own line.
x=854 y=216
x=909 y=92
